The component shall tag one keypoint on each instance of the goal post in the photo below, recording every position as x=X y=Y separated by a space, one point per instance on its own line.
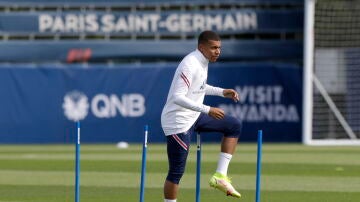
x=331 y=78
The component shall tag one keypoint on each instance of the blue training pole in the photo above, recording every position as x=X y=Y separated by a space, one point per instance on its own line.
x=258 y=165
x=198 y=166
x=143 y=163
x=77 y=163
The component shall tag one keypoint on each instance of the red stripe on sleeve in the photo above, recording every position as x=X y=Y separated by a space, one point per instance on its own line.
x=185 y=79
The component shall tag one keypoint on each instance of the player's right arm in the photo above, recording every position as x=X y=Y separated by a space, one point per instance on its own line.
x=181 y=89
x=216 y=113
x=182 y=85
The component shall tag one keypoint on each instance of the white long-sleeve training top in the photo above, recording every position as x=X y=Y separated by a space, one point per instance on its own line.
x=186 y=95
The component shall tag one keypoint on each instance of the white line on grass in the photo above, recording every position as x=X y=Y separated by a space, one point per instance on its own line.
x=131 y=180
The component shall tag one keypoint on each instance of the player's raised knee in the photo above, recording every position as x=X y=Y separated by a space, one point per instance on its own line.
x=234 y=129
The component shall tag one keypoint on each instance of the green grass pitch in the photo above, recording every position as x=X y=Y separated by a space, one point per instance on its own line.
x=290 y=173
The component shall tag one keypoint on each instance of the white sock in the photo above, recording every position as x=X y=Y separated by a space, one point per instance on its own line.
x=169 y=200
x=223 y=163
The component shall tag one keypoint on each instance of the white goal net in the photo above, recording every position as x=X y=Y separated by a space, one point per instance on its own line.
x=332 y=72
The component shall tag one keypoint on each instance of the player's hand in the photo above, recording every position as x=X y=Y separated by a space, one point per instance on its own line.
x=232 y=94
x=216 y=113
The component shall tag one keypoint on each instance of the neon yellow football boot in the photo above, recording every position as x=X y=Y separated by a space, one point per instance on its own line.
x=223 y=183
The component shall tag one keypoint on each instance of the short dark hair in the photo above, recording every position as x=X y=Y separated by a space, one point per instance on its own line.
x=205 y=36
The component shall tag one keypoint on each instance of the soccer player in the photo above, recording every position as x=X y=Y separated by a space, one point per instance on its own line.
x=184 y=113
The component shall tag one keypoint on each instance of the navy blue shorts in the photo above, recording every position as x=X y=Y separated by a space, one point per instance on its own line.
x=178 y=144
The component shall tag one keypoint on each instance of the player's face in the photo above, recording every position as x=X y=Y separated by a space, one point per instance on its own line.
x=211 y=50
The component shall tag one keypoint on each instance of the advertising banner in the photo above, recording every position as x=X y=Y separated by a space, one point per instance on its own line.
x=40 y=103
x=152 y=22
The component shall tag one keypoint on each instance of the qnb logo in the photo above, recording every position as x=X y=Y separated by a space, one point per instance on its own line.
x=75 y=105
x=129 y=105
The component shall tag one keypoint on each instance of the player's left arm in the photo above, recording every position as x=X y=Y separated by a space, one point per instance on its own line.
x=228 y=93
x=232 y=94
